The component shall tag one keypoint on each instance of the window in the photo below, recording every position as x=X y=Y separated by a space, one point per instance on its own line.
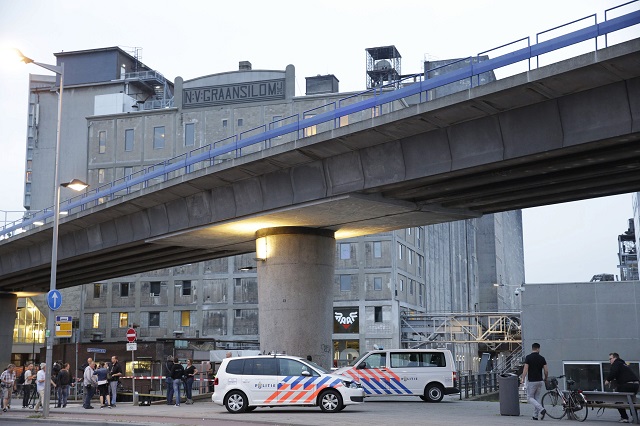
x=420 y=265
x=186 y=288
x=410 y=286
x=408 y=231
x=401 y=285
x=376 y=360
x=102 y=142
x=240 y=122
x=261 y=366
x=154 y=288
x=95 y=321
x=100 y=175
x=154 y=319
x=345 y=251
x=158 y=137
x=96 y=291
x=311 y=130
x=189 y=134
x=237 y=313
x=185 y=318
x=377 y=249
x=225 y=123
x=419 y=237
x=377 y=284
x=128 y=140
x=345 y=282
x=291 y=367
x=410 y=256
x=377 y=314
x=124 y=320
x=344 y=120
x=400 y=250
x=124 y=289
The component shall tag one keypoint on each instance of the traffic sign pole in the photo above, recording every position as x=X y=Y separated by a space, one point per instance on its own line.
x=131 y=337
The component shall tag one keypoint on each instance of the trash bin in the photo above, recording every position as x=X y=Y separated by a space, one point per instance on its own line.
x=508 y=393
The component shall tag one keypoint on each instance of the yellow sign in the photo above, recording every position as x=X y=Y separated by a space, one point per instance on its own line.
x=64 y=326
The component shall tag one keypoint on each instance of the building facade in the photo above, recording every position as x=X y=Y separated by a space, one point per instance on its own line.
x=121 y=116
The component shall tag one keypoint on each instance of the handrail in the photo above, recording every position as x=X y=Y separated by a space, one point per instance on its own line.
x=378 y=98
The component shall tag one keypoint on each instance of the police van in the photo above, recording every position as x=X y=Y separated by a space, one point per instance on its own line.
x=427 y=373
x=244 y=383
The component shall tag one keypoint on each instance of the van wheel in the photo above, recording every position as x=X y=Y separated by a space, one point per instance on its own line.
x=433 y=392
x=331 y=401
x=236 y=402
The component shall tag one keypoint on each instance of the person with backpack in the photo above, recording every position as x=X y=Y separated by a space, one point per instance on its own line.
x=626 y=380
x=64 y=380
x=27 y=387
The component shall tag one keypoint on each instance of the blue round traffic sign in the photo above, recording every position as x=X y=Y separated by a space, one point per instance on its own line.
x=54 y=299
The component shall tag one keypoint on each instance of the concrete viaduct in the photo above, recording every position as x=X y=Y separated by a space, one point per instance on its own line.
x=564 y=132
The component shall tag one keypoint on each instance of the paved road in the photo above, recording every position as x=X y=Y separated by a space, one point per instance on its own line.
x=380 y=411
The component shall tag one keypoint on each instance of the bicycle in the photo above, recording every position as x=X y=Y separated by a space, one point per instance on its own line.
x=569 y=402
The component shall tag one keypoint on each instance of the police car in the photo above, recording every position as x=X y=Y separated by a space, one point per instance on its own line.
x=427 y=373
x=244 y=383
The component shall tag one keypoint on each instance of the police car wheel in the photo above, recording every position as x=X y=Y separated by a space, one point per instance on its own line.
x=236 y=402
x=331 y=401
x=433 y=393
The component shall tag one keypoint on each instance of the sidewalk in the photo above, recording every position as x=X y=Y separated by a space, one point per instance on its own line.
x=392 y=410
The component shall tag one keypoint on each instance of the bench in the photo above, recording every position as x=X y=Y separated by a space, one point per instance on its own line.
x=626 y=400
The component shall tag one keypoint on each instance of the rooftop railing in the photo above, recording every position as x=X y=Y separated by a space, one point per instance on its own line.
x=331 y=115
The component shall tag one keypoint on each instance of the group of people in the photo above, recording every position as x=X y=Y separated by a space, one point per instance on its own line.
x=177 y=375
x=620 y=376
x=104 y=378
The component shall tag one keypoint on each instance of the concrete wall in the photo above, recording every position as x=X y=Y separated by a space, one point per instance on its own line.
x=582 y=321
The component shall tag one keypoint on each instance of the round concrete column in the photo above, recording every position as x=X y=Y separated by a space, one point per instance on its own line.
x=8 y=305
x=295 y=291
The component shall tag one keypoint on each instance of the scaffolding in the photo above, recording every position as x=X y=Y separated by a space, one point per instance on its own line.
x=496 y=332
x=383 y=65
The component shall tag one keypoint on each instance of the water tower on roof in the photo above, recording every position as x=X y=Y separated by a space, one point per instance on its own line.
x=383 y=65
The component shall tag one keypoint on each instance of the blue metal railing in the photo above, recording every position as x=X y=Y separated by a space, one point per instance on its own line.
x=332 y=112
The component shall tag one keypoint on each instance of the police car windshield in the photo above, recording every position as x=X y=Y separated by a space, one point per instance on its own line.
x=316 y=366
x=355 y=361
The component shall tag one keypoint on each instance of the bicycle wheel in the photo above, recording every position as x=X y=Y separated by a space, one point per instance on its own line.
x=578 y=407
x=552 y=403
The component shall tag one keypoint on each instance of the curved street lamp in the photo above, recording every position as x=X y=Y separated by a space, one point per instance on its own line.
x=56 y=221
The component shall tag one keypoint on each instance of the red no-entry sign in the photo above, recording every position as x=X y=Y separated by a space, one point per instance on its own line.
x=131 y=335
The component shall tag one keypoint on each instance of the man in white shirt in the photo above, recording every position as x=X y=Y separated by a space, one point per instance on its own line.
x=40 y=379
x=27 y=388
x=90 y=381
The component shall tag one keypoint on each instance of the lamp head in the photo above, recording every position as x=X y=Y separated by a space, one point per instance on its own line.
x=75 y=184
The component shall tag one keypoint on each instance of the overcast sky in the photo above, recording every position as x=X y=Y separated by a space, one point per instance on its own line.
x=569 y=242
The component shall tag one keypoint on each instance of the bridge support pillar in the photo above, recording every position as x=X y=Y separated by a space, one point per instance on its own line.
x=8 y=305
x=295 y=291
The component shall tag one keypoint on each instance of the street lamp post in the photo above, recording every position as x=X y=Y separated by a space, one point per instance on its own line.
x=49 y=334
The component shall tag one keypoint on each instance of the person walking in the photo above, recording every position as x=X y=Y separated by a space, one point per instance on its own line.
x=116 y=373
x=177 y=371
x=89 y=381
x=41 y=378
x=103 y=386
x=27 y=386
x=64 y=380
x=189 y=377
x=534 y=366
x=626 y=380
x=8 y=379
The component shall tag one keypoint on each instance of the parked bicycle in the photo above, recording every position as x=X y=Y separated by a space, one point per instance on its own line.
x=569 y=402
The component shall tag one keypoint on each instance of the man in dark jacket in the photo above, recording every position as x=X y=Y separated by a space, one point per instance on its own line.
x=168 y=365
x=626 y=380
x=177 y=371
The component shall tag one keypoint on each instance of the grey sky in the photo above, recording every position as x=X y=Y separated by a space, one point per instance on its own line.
x=571 y=242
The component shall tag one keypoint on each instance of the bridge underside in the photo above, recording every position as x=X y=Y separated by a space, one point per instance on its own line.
x=561 y=133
